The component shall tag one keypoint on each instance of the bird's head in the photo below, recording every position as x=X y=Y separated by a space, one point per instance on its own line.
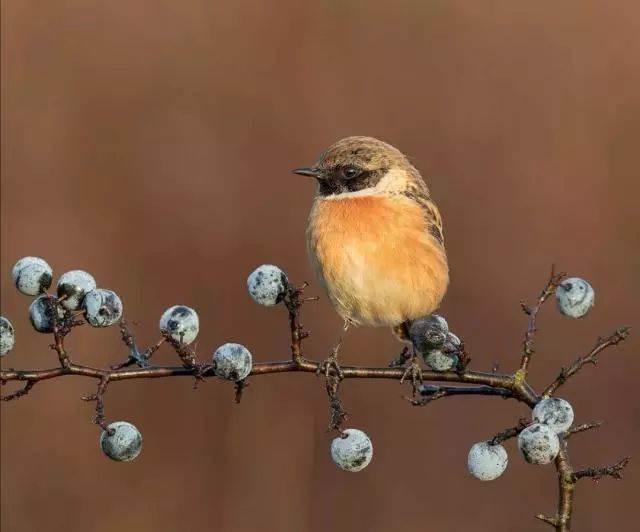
x=360 y=166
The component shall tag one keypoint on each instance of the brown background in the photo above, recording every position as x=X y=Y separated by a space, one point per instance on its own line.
x=150 y=142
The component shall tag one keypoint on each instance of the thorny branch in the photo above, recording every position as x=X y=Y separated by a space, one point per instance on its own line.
x=493 y=383
x=592 y=358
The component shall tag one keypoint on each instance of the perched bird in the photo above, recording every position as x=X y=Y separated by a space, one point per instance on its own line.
x=374 y=235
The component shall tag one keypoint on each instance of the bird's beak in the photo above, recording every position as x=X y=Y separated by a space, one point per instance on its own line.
x=311 y=172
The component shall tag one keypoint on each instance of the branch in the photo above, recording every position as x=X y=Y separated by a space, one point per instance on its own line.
x=618 y=336
x=507 y=386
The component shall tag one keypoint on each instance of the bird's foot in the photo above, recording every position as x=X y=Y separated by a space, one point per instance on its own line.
x=413 y=371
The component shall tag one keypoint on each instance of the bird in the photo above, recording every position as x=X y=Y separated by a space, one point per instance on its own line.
x=374 y=237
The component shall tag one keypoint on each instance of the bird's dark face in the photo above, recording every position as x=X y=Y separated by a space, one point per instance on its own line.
x=351 y=165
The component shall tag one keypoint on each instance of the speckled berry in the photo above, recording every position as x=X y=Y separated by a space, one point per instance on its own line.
x=538 y=444
x=486 y=461
x=7 y=336
x=32 y=275
x=232 y=362
x=575 y=297
x=438 y=360
x=267 y=285
x=124 y=444
x=73 y=286
x=42 y=313
x=102 y=307
x=428 y=333
x=554 y=412
x=181 y=323
x=352 y=451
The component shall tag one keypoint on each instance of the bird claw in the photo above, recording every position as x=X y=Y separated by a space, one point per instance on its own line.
x=413 y=371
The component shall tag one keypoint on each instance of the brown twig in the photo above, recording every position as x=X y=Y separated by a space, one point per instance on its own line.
x=20 y=392
x=527 y=345
x=98 y=397
x=582 y=428
x=511 y=432
x=596 y=473
x=429 y=392
x=618 y=336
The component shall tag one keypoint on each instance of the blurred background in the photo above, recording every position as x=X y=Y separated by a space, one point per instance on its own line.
x=151 y=142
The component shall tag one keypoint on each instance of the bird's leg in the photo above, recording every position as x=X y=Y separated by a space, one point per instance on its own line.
x=331 y=362
x=413 y=371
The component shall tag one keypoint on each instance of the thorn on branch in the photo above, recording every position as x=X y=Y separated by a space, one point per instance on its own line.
x=549 y=520
x=597 y=473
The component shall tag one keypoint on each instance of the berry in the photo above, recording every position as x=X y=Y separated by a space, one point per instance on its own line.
x=42 y=313
x=575 y=297
x=73 y=286
x=352 y=450
x=267 y=285
x=538 y=444
x=438 y=360
x=7 y=336
x=232 y=362
x=428 y=333
x=181 y=323
x=486 y=461
x=102 y=307
x=32 y=275
x=124 y=444
x=554 y=412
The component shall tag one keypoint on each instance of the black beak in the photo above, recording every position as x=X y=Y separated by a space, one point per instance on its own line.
x=311 y=172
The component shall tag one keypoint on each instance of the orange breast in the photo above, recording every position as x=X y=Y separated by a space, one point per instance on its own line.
x=376 y=258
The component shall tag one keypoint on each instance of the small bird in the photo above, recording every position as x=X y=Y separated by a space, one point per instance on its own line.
x=374 y=236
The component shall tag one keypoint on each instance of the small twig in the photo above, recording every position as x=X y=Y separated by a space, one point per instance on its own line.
x=135 y=357
x=596 y=473
x=618 y=336
x=18 y=393
x=511 y=432
x=337 y=413
x=582 y=428
x=240 y=387
x=527 y=345
x=464 y=359
x=98 y=397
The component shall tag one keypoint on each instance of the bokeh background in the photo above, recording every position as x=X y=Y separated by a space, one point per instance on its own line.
x=150 y=143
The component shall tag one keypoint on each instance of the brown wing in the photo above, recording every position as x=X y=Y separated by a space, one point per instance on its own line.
x=419 y=193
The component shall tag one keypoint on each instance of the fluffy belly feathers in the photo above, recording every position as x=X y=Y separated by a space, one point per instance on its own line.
x=376 y=259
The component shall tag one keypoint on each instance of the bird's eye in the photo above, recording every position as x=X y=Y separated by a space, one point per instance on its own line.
x=349 y=172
